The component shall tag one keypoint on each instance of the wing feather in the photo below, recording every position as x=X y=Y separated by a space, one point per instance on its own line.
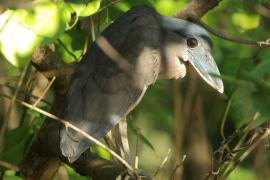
x=101 y=93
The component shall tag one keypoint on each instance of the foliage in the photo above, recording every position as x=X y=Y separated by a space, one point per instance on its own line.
x=244 y=70
x=41 y=24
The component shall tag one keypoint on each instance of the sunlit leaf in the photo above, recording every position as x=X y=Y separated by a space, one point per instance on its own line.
x=123 y=6
x=23 y=30
x=91 y=8
x=100 y=151
x=246 y=21
x=168 y=7
x=73 y=175
x=11 y=175
x=17 y=41
x=49 y=19
x=85 y=9
x=242 y=173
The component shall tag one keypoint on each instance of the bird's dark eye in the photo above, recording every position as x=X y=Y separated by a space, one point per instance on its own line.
x=192 y=42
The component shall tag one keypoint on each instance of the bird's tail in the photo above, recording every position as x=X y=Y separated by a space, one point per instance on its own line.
x=71 y=147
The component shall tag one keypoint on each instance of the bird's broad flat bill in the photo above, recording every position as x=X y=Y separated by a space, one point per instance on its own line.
x=203 y=62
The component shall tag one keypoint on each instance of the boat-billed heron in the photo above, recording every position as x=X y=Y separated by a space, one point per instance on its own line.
x=140 y=47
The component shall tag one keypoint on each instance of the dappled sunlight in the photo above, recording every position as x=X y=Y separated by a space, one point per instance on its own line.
x=83 y=68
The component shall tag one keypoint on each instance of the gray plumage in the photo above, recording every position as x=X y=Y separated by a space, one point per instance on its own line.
x=102 y=91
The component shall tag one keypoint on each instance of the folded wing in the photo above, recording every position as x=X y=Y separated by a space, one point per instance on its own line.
x=102 y=92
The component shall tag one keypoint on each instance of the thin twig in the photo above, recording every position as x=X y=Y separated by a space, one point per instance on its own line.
x=8 y=165
x=44 y=92
x=14 y=4
x=177 y=167
x=239 y=145
x=262 y=10
x=259 y=139
x=138 y=132
x=249 y=124
x=124 y=138
x=69 y=125
x=69 y=70
x=226 y=37
x=93 y=32
x=9 y=111
x=224 y=119
x=162 y=163
x=113 y=53
x=230 y=154
x=223 y=122
x=237 y=132
x=107 y=6
x=25 y=93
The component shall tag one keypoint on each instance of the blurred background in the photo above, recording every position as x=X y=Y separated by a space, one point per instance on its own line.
x=196 y=130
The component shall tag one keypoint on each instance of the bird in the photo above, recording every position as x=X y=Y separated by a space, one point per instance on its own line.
x=138 y=48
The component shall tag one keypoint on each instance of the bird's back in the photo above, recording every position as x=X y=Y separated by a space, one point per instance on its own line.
x=101 y=92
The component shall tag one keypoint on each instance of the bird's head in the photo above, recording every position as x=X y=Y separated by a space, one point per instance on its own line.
x=185 y=43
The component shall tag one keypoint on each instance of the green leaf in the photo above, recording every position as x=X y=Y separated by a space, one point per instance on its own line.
x=262 y=68
x=123 y=6
x=17 y=41
x=74 y=175
x=23 y=30
x=11 y=175
x=69 y=46
x=91 y=8
x=142 y=137
x=100 y=151
x=242 y=173
x=246 y=21
x=16 y=142
x=242 y=107
x=50 y=20
x=168 y=7
x=85 y=9
x=248 y=99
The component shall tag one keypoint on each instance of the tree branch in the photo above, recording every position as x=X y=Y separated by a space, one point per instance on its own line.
x=197 y=8
x=226 y=37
